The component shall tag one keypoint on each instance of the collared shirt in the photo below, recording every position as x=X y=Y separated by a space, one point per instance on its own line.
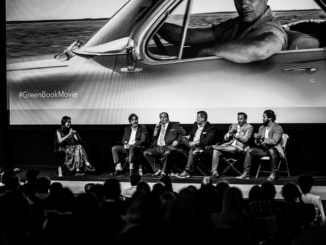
x=266 y=132
x=199 y=131
x=132 y=139
x=162 y=135
x=229 y=30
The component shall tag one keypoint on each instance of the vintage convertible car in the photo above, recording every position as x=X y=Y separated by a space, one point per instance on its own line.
x=128 y=67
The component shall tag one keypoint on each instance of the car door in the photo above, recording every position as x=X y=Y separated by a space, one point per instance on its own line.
x=290 y=82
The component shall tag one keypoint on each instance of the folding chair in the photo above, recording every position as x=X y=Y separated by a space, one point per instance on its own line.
x=199 y=163
x=284 y=142
x=233 y=159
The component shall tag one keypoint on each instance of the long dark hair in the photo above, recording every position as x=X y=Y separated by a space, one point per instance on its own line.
x=63 y=123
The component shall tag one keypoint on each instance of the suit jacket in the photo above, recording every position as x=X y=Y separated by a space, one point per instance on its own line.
x=274 y=137
x=207 y=136
x=141 y=135
x=173 y=132
x=243 y=138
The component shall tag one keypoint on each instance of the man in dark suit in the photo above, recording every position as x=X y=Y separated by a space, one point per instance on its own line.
x=268 y=141
x=201 y=135
x=235 y=140
x=166 y=138
x=134 y=141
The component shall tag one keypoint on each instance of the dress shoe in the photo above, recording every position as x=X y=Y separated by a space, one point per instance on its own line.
x=184 y=174
x=215 y=174
x=271 y=177
x=117 y=172
x=90 y=168
x=79 y=173
x=158 y=173
x=244 y=175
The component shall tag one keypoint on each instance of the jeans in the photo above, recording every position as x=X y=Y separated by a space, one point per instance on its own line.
x=218 y=152
x=259 y=152
x=190 y=162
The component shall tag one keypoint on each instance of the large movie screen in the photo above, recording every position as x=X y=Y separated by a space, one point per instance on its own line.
x=99 y=61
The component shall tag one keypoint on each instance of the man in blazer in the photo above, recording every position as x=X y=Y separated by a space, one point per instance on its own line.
x=268 y=141
x=236 y=140
x=201 y=135
x=134 y=141
x=166 y=138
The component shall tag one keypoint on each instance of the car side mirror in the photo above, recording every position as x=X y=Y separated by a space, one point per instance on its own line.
x=132 y=58
x=68 y=52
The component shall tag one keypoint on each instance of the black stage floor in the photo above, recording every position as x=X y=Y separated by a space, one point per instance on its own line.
x=77 y=183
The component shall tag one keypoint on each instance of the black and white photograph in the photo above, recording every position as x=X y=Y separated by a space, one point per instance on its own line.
x=163 y=121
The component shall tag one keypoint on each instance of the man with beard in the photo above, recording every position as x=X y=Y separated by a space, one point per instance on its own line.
x=268 y=141
x=134 y=141
x=253 y=35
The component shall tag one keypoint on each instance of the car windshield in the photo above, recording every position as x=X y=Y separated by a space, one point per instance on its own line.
x=123 y=22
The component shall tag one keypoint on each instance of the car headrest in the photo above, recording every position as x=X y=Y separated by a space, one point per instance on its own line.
x=299 y=40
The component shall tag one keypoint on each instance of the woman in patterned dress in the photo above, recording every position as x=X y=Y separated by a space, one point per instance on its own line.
x=76 y=159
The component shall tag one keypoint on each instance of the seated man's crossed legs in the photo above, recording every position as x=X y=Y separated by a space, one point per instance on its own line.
x=193 y=152
x=158 y=158
x=217 y=153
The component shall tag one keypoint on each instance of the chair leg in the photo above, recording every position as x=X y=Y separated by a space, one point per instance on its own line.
x=225 y=170
x=200 y=170
x=287 y=166
x=230 y=163
x=258 y=170
x=234 y=169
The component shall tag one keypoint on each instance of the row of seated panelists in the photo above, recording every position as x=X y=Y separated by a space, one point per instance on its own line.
x=232 y=158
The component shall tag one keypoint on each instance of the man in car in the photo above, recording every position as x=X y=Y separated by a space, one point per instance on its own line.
x=236 y=140
x=201 y=135
x=253 y=35
x=268 y=141
x=166 y=138
x=134 y=141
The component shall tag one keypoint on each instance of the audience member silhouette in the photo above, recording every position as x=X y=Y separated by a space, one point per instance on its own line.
x=158 y=189
x=134 y=179
x=233 y=219
x=220 y=190
x=300 y=215
x=143 y=186
x=305 y=183
x=166 y=180
x=254 y=194
x=29 y=187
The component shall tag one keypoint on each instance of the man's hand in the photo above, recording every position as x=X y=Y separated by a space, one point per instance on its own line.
x=175 y=143
x=156 y=128
x=192 y=143
x=126 y=146
x=232 y=130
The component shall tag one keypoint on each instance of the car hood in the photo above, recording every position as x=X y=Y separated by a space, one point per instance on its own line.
x=35 y=62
